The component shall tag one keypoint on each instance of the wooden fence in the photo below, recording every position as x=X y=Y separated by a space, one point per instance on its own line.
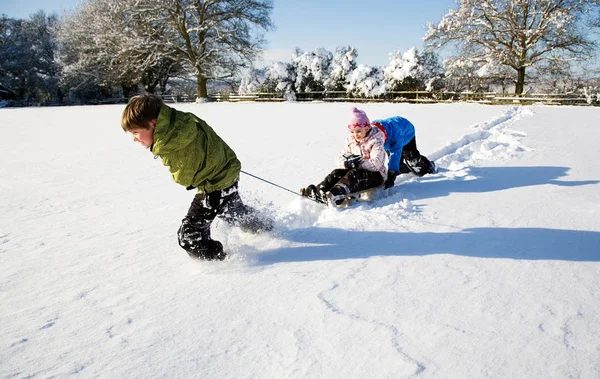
x=423 y=97
x=397 y=97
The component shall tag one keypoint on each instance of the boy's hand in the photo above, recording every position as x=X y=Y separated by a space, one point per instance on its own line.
x=352 y=161
x=390 y=179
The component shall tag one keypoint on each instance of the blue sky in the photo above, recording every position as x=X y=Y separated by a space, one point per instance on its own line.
x=375 y=27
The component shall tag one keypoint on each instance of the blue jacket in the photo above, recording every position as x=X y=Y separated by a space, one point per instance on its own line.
x=398 y=132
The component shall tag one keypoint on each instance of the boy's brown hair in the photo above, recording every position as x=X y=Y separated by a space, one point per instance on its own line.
x=139 y=111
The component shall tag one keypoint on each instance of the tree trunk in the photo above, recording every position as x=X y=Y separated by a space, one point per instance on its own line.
x=151 y=87
x=520 y=81
x=163 y=83
x=201 y=86
x=129 y=90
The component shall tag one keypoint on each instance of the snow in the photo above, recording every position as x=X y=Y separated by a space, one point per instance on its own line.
x=487 y=269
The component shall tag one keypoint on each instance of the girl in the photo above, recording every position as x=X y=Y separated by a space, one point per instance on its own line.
x=362 y=163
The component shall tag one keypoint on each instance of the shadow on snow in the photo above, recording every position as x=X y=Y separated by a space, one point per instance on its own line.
x=509 y=243
x=489 y=179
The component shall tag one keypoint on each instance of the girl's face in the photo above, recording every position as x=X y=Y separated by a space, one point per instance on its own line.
x=359 y=133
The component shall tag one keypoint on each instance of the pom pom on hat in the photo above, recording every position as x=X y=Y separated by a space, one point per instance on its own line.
x=358 y=119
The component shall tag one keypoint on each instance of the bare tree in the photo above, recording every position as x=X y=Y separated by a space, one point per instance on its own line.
x=103 y=44
x=214 y=38
x=520 y=34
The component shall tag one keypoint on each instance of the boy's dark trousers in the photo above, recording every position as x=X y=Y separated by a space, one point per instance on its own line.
x=194 y=232
x=419 y=164
x=355 y=180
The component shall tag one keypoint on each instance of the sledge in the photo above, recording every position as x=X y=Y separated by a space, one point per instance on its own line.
x=367 y=195
x=344 y=201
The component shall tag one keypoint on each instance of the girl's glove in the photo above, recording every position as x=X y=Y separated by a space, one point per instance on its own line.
x=352 y=161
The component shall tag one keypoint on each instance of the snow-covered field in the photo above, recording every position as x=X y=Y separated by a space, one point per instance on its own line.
x=487 y=269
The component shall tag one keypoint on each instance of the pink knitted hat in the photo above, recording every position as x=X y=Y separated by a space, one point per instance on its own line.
x=358 y=119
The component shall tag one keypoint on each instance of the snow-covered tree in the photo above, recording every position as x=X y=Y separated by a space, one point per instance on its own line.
x=366 y=81
x=519 y=34
x=461 y=74
x=27 y=64
x=432 y=71
x=342 y=65
x=215 y=39
x=251 y=81
x=130 y=41
x=491 y=75
x=563 y=77
x=412 y=71
x=312 y=69
x=317 y=70
x=85 y=54
x=402 y=71
x=280 y=78
x=105 y=44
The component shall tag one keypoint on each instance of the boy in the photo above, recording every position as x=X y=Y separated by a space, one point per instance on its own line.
x=361 y=163
x=400 y=142
x=197 y=159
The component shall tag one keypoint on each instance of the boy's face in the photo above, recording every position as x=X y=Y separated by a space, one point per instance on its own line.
x=359 y=133
x=144 y=137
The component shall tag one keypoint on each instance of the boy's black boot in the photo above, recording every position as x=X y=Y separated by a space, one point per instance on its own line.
x=208 y=250
x=194 y=238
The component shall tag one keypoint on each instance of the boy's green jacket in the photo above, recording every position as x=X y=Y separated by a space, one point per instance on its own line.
x=195 y=154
